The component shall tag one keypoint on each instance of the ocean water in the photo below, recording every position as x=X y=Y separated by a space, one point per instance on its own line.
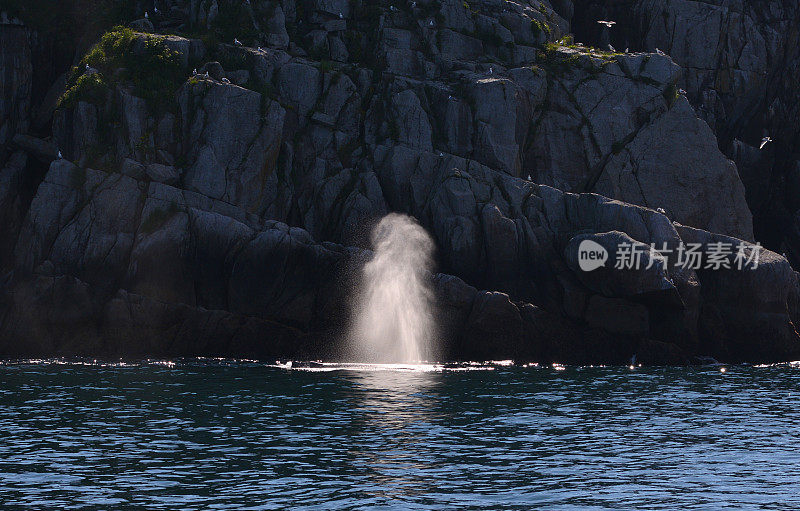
x=216 y=434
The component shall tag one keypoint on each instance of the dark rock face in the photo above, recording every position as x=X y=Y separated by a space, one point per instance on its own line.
x=15 y=90
x=226 y=215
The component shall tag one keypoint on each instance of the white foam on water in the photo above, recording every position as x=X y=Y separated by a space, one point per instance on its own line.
x=323 y=367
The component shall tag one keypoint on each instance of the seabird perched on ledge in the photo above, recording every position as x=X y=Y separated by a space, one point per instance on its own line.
x=608 y=24
x=764 y=141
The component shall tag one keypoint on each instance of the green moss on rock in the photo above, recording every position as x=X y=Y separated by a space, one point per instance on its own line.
x=123 y=56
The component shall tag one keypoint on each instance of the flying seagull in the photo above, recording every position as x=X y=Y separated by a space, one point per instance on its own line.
x=765 y=141
x=608 y=24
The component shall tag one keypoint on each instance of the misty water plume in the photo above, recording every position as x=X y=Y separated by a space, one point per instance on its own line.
x=393 y=320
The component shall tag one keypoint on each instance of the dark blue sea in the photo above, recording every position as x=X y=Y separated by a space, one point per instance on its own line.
x=218 y=434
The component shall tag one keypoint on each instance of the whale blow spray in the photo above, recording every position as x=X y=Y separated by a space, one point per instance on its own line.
x=393 y=316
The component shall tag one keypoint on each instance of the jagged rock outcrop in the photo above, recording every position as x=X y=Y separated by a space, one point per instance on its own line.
x=741 y=65
x=215 y=200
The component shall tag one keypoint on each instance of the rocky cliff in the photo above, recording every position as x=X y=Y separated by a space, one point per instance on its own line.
x=201 y=180
x=741 y=66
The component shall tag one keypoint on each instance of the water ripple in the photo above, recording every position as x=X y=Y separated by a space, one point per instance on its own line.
x=222 y=434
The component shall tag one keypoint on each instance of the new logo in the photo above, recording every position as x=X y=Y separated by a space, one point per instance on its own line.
x=591 y=255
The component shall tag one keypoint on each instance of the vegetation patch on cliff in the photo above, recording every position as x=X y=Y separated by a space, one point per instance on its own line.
x=123 y=56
